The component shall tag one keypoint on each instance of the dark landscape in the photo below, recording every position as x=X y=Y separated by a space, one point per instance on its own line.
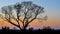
x=30 y=30
x=25 y=16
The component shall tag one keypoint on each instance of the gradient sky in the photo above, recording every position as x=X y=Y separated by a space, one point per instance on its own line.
x=52 y=9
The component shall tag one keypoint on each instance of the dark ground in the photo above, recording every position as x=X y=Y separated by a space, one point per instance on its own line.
x=30 y=30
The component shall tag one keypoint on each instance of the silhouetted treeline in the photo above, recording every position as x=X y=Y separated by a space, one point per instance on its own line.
x=45 y=29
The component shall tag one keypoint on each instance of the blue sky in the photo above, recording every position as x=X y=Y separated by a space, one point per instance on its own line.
x=52 y=7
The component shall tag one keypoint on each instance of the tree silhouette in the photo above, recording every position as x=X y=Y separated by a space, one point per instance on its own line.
x=27 y=10
x=5 y=28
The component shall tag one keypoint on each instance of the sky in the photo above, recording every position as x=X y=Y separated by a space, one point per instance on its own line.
x=51 y=7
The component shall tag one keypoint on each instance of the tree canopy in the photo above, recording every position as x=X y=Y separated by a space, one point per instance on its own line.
x=27 y=10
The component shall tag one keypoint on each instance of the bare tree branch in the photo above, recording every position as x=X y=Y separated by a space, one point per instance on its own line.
x=26 y=9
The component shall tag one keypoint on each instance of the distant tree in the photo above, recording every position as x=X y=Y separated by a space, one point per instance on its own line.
x=5 y=28
x=14 y=28
x=28 y=11
x=47 y=28
x=31 y=29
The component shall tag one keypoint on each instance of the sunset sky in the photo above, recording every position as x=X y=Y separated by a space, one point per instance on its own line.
x=51 y=7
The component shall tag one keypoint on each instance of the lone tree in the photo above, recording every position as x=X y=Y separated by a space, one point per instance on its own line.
x=28 y=11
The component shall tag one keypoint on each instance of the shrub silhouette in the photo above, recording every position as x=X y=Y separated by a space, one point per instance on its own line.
x=48 y=27
x=45 y=29
x=5 y=28
x=31 y=29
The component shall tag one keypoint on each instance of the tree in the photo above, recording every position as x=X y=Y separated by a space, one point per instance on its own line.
x=27 y=10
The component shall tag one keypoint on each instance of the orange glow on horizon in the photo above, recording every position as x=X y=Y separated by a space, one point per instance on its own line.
x=36 y=23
